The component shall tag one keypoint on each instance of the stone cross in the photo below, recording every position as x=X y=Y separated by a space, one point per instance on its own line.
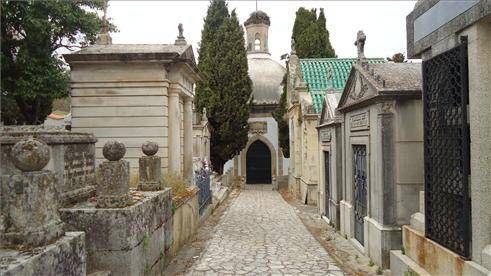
x=113 y=177
x=29 y=210
x=360 y=44
x=150 y=168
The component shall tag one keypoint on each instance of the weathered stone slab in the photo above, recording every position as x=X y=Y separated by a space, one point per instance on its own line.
x=64 y=257
x=72 y=159
x=119 y=229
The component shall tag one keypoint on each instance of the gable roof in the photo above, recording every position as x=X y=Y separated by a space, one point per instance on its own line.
x=327 y=74
x=388 y=80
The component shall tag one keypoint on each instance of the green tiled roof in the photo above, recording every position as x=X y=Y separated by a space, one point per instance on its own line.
x=323 y=74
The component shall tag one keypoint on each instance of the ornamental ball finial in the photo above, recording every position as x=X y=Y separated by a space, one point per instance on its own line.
x=113 y=150
x=150 y=148
x=30 y=155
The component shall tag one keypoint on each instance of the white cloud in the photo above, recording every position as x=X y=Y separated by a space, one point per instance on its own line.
x=384 y=22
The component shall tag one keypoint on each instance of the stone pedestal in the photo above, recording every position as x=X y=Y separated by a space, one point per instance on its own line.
x=32 y=241
x=113 y=177
x=132 y=240
x=30 y=206
x=150 y=172
x=29 y=200
x=64 y=257
x=150 y=169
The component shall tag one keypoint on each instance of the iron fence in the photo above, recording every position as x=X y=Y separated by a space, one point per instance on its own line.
x=202 y=180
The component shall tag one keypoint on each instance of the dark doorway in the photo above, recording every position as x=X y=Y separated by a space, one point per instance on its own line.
x=360 y=190
x=327 y=182
x=258 y=164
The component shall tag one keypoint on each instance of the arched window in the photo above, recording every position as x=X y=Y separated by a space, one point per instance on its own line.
x=257 y=43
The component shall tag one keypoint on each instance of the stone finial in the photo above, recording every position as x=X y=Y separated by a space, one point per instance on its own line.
x=150 y=148
x=113 y=150
x=30 y=155
x=103 y=38
x=180 y=28
x=360 y=44
x=113 y=177
x=180 y=38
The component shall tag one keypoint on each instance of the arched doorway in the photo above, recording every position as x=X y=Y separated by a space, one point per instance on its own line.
x=258 y=163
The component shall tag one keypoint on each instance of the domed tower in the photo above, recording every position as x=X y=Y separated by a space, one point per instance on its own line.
x=257 y=32
x=261 y=161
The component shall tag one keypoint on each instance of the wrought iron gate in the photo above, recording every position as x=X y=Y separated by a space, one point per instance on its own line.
x=446 y=149
x=327 y=188
x=360 y=189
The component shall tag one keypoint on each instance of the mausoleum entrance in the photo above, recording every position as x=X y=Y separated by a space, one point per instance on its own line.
x=258 y=163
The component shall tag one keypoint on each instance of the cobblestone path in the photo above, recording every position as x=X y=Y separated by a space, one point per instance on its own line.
x=261 y=235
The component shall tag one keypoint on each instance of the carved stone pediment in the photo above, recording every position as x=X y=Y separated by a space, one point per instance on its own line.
x=258 y=127
x=357 y=89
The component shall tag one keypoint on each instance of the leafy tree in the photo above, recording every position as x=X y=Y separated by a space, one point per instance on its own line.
x=226 y=88
x=31 y=34
x=310 y=34
x=397 y=58
x=279 y=116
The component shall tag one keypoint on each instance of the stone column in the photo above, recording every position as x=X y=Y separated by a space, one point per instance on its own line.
x=150 y=169
x=188 y=138
x=174 y=132
x=29 y=210
x=113 y=177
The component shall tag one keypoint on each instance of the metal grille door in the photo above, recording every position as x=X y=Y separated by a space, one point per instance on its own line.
x=327 y=182
x=258 y=164
x=360 y=189
x=446 y=149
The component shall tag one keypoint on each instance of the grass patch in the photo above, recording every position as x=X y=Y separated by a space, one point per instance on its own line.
x=176 y=183
x=371 y=263
x=379 y=271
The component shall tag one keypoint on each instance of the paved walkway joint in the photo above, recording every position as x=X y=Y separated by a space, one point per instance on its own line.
x=262 y=235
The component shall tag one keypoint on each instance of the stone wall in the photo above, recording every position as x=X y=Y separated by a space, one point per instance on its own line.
x=185 y=221
x=72 y=158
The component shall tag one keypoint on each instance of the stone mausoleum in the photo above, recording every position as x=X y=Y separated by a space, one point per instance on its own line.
x=451 y=233
x=134 y=93
x=261 y=161
x=309 y=81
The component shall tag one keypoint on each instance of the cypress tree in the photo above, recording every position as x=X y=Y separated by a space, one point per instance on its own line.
x=310 y=35
x=226 y=90
x=216 y=14
x=327 y=50
x=278 y=115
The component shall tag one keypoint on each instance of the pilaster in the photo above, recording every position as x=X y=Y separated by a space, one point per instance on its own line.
x=188 y=138
x=174 y=131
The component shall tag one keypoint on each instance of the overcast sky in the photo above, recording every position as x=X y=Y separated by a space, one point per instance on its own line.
x=384 y=22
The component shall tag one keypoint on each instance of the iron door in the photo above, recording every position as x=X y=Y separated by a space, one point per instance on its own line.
x=258 y=164
x=446 y=150
x=327 y=182
x=360 y=190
